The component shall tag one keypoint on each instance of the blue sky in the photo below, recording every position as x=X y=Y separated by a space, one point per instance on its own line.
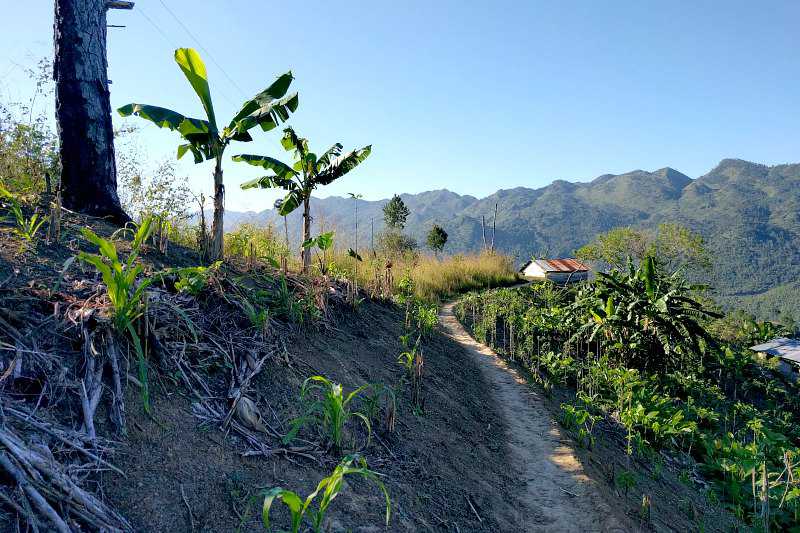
x=469 y=96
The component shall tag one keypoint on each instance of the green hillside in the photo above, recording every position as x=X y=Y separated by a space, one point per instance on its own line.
x=748 y=213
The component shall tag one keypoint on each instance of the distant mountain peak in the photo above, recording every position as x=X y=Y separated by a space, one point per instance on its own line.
x=731 y=169
x=738 y=163
x=675 y=177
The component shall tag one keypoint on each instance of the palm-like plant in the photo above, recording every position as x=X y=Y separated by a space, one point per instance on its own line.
x=301 y=178
x=204 y=139
x=652 y=316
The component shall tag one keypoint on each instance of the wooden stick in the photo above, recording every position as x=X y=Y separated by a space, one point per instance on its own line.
x=20 y=416
x=38 y=500
x=188 y=508
x=473 y=509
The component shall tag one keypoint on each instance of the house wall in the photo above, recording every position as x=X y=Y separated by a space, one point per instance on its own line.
x=534 y=271
x=567 y=277
x=789 y=370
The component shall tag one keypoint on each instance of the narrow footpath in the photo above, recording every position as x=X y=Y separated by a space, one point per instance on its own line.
x=559 y=495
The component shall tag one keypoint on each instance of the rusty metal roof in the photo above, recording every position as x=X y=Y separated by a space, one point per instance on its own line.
x=561 y=265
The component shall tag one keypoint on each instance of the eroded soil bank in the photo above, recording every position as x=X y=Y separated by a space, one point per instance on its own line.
x=447 y=469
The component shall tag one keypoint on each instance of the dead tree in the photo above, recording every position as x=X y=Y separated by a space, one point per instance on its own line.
x=494 y=226
x=83 y=109
x=483 y=230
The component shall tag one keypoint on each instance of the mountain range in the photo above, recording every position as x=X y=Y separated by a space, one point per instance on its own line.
x=748 y=213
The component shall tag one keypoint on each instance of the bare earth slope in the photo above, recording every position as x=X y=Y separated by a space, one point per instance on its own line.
x=559 y=495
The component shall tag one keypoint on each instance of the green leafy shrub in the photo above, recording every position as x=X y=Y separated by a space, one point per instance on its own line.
x=658 y=363
x=581 y=422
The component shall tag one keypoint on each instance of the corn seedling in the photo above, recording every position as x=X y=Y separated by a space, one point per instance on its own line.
x=25 y=228
x=645 y=509
x=328 y=409
x=372 y=402
x=329 y=488
x=426 y=316
x=193 y=280
x=625 y=480
x=324 y=242
x=258 y=317
x=124 y=293
x=413 y=363
x=405 y=295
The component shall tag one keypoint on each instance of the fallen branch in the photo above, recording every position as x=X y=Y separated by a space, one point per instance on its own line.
x=473 y=509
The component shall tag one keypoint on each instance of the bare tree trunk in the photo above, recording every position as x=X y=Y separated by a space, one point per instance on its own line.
x=494 y=225
x=305 y=253
x=483 y=230
x=83 y=110
x=217 y=233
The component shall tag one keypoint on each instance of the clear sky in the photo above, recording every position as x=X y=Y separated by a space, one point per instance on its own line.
x=468 y=96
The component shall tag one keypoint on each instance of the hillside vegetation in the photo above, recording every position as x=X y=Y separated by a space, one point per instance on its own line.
x=641 y=360
x=141 y=391
x=749 y=215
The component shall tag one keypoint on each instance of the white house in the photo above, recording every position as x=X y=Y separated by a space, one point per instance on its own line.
x=556 y=270
x=787 y=350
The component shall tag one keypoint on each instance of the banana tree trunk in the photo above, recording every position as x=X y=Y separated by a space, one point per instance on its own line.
x=217 y=239
x=305 y=253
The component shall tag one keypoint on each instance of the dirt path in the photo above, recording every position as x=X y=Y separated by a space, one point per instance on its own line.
x=559 y=495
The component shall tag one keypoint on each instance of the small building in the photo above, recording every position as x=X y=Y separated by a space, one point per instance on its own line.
x=787 y=350
x=561 y=271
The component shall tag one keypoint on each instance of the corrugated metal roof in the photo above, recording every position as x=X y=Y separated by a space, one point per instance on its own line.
x=561 y=265
x=782 y=347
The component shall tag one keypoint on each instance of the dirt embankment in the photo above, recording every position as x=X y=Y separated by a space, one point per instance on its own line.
x=446 y=469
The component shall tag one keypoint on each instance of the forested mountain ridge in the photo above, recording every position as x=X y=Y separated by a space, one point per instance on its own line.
x=748 y=213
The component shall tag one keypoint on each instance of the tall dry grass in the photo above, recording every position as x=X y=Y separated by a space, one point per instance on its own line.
x=435 y=279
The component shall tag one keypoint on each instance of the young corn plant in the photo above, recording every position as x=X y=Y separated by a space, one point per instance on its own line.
x=258 y=316
x=405 y=296
x=193 y=280
x=427 y=317
x=324 y=242
x=124 y=293
x=413 y=363
x=381 y=400
x=329 y=488
x=25 y=228
x=328 y=409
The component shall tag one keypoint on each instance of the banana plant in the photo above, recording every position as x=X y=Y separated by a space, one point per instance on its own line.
x=204 y=139
x=324 y=242
x=654 y=314
x=308 y=172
